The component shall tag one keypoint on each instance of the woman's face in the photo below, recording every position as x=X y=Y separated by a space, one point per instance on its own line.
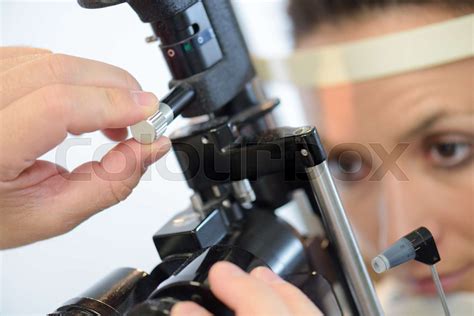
x=401 y=149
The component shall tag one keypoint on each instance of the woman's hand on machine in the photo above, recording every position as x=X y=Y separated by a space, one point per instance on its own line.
x=261 y=292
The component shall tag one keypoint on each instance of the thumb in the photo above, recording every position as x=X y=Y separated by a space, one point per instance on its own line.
x=95 y=186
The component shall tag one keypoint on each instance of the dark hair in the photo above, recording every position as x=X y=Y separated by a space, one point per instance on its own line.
x=307 y=15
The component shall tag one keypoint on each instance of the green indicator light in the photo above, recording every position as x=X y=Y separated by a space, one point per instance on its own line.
x=187 y=47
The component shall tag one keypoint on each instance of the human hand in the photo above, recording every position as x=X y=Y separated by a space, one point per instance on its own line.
x=44 y=97
x=261 y=292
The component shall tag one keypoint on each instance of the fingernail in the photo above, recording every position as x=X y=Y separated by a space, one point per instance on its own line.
x=266 y=275
x=144 y=98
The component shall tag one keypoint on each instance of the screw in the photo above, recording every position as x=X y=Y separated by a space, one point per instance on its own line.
x=302 y=130
x=226 y=203
x=324 y=243
x=151 y=39
x=171 y=53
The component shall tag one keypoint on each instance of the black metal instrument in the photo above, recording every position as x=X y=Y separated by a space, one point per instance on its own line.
x=241 y=169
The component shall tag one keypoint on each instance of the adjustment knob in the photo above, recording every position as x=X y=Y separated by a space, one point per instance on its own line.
x=149 y=130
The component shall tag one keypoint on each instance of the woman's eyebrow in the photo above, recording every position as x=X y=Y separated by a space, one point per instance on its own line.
x=424 y=125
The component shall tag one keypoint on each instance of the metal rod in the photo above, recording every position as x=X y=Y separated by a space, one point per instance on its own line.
x=353 y=265
x=440 y=290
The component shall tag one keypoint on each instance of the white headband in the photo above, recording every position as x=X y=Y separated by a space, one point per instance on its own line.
x=372 y=58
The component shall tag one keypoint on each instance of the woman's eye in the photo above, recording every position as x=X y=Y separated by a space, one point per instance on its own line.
x=449 y=152
x=348 y=166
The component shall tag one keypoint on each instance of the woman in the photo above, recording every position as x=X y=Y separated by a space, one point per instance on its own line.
x=429 y=112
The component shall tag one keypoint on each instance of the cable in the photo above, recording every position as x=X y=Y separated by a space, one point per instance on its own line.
x=440 y=290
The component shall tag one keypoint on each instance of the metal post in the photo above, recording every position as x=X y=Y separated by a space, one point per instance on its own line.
x=352 y=263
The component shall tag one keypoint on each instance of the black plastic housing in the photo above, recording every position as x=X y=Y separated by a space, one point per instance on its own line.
x=425 y=246
x=186 y=233
x=211 y=153
x=220 y=83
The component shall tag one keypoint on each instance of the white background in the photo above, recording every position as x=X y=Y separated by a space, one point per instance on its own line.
x=36 y=279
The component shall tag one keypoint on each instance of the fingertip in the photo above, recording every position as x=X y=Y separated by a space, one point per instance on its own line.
x=147 y=101
x=116 y=134
x=238 y=290
x=223 y=270
x=163 y=144
x=188 y=309
x=222 y=275
x=266 y=275
x=156 y=150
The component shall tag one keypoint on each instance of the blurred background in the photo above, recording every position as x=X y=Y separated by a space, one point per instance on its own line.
x=36 y=279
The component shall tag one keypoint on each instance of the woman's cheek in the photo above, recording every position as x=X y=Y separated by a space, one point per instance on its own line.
x=362 y=213
x=456 y=215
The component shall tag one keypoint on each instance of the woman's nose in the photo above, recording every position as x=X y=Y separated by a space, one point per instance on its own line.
x=402 y=208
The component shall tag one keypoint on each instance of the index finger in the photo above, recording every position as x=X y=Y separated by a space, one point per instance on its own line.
x=61 y=69
x=298 y=303
x=243 y=293
x=17 y=51
x=39 y=121
x=11 y=57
